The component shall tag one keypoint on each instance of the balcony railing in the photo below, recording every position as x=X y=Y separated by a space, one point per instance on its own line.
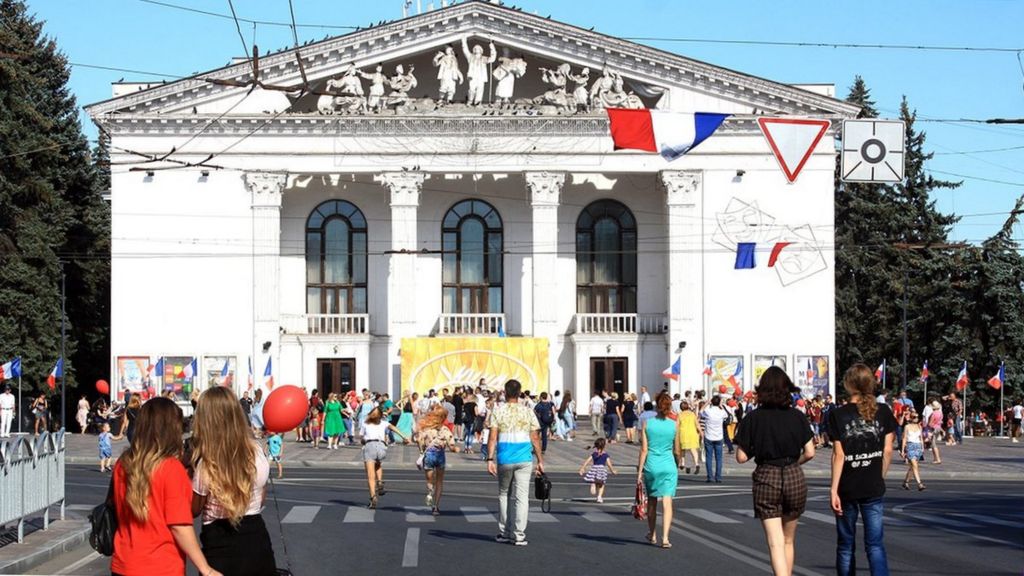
x=621 y=323
x=472 y=325
x=326 y=324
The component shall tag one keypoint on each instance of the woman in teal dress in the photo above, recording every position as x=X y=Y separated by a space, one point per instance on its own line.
x=658 y=468
x=334 y=426
x=406 y=422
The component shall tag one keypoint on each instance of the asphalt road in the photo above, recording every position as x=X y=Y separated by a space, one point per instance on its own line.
x=319 y=525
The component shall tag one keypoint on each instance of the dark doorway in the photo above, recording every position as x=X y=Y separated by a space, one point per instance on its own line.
x=610 y=374
x=336 y=375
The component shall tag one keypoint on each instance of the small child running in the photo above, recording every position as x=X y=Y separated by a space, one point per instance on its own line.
x=275 y=450
x=600 y=465
x=106 y=450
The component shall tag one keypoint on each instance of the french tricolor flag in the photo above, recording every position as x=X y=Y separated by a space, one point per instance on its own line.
x=673 y=370
x=190 y=370
x=268 y=376
x=57 y=372
x=10 y=369
x=671 y=134
x=707 y=368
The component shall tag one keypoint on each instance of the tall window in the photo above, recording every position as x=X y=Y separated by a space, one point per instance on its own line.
x=336 y=259
x=471 y=247
x=606 y=259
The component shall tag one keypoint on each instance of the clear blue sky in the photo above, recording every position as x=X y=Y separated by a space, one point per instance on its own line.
x=137 y=35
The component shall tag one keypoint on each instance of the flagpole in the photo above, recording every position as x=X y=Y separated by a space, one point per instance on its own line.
x=20 y=407
x=964 y=425
x=63 y=378
x=1002 y=386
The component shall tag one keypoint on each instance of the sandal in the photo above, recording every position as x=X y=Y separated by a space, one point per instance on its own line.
x=920 y=487
x=373 y=503
x=380 y=489
x=666 y=544
x=652 y=538
x=906 y=486
x=435 y=511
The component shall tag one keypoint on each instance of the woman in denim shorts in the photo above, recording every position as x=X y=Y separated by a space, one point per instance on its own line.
x=375 y=450
x=434 y=439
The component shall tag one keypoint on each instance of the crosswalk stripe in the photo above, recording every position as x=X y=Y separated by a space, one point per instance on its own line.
x=591 y=515
x=942 y=521
x=539 y=517
x=477 y=514
x=710 y=516
x=411 y=554
x=744 y=512
x=990 y=520
x=812 y=515
x=418 y=514
x=358 y=515
x=300 y=515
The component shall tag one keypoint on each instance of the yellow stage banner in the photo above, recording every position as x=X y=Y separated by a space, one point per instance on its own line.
x=436 y=363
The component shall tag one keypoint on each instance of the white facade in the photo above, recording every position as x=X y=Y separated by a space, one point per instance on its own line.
x=209 y=260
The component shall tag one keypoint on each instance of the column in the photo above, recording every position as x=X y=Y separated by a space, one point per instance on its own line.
x=265 y=199
x=685 y=274
x=405 y=189
x=545 y=192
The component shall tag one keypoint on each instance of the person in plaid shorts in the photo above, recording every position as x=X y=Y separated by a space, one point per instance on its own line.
x=779 y=439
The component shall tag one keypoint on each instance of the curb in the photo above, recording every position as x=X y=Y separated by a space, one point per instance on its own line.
x=66 y=543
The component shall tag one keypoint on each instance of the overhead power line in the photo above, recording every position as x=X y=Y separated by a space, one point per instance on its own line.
x=247 y=20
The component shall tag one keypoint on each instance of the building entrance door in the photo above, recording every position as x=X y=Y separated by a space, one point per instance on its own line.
x=336 y=375
x=609 y=374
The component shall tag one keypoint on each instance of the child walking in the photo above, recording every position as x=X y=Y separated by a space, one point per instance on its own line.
x=315 y=427
x=106 y=450
x=600 y=465
x=275 y=450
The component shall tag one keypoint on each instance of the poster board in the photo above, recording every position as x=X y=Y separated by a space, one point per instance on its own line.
x=762 y=362
x=132 y=374
x=213 y=368
x=812 y=375
x=725 y=369
x=437 y=363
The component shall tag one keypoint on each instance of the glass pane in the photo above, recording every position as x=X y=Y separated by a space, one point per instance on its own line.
x=313 y=258
x=448 y=301
x=315 y=220
x=472 y=252
x=451 y=220
x=495 y=261
x=583 y=256
x=461 y=209
x=342 y=301
x=313 y=301
x=336 y=250
x=629 y=257
x=626 y=218
x=467 y=302
x=359 y=301
x=359 y=258
x=448 y=268
x=494 y=300
x=585 y=220
x=331 y=306
x=492 y=219
x=606 y=246
x=448 y=242
x=582 y=300
x=346 y=209
x=357 y=219
x=611 y=303
x=629 y=300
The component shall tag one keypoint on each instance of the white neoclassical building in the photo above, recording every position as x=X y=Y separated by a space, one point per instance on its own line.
x=357 y=220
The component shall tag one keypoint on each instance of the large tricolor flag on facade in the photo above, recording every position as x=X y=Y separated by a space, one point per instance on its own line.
x=673 y=370
x=57 y=372
x=962 y=380
x=671 y=134
x=997 y=380
x=10 y=369
x=268 y=376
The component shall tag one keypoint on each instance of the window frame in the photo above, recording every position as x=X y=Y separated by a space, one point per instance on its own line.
x=480 y=292
x=337 y=209
x=592 y=292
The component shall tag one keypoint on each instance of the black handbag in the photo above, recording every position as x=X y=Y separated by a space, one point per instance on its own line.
x=103 y=520
x=542 y=491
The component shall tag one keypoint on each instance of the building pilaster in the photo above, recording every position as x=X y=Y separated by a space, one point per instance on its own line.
x=683 y=192
x=265 y=192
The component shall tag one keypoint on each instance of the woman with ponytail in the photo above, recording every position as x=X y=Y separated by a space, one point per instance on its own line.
x=862 y=432
x=230 y=473
x=152 y=499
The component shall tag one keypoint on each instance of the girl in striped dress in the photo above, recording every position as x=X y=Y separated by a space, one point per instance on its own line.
x=600 y=465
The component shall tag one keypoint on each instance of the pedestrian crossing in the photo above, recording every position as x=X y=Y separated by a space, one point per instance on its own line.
x=307 y=514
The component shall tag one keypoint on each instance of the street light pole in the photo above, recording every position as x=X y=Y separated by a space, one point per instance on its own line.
x=904 y=371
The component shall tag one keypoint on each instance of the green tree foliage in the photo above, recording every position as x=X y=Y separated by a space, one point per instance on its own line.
x=49 y=189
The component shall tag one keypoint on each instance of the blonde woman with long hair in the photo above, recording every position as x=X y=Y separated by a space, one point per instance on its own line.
x=230 y=474
x=434 y=439
x=152 y=496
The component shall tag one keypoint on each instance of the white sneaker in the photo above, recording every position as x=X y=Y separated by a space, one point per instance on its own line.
x=429 y=500
x=520 y=543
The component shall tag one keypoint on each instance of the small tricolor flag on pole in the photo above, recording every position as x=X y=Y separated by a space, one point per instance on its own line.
x=190 y=370
x=880 y=372
x=671 y=134
x=57 y=372
x=809 y=371
x=997 y=380
x=268 y=376
x=225 y=374
x=962 y=380
x=924 y=372
x=707 y=368
x=10 y=369
x=250 y=373
x=673 y=370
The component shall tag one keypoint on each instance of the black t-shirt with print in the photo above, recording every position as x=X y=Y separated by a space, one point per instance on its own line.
x=863 y=444
x=774 y=435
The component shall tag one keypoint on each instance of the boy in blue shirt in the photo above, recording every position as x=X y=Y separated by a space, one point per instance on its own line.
x=275 y=449
x=106 y=450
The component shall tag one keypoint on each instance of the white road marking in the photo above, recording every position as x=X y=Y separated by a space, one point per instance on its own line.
x=990 y=520
x=591 y=515
x=477 y=514
x=826 y=518
x=940 y=520
x=81 y=507
x=539 y=517
x=411 y=555
x=744 y=512
x=300 y=515
x=358 y=515
x=418 y=514
x=710 y=516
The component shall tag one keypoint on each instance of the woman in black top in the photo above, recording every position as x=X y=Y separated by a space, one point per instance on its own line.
x=778 y=437
x=629 y=417
x=612 y=416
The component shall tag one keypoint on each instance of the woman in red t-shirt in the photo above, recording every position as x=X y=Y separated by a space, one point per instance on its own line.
x=153 y=499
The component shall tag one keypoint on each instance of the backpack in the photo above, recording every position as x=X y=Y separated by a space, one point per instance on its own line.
x=545 y=413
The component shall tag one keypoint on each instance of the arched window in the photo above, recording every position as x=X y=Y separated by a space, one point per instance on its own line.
x=471 y=247
x=606 y=259
x=336 y=259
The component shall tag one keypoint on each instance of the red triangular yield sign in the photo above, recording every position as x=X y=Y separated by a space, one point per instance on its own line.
x=792 y=140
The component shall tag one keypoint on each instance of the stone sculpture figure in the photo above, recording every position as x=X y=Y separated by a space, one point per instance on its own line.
x=580 y=93
x=506 y=73
x=558 y=78
x=375 y=101
x=448 y=73
x=401 y=83
x=346 y=94
x=603 y=85
x=477 y=71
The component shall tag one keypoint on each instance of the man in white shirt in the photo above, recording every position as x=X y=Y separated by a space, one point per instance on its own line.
x=714 y=418
x=644 y=396
x=7 y=404
x=596 y=413
x=1017 y=415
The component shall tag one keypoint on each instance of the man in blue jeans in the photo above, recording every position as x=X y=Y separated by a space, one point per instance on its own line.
x=714 y=419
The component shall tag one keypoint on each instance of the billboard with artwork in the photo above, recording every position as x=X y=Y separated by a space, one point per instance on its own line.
x=436 y=363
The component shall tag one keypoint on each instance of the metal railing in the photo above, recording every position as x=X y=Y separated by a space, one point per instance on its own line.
x=326 y=323
x=621 y=323
x=472 y=324
x=31 y=478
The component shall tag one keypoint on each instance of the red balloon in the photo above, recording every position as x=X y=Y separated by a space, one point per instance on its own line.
x=722 y=388
x=285 y=408
x=800 y=402
x=103 y=387
x=731 y=403
x=120 y=395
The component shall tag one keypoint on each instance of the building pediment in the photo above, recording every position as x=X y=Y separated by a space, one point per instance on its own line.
x=546 y=60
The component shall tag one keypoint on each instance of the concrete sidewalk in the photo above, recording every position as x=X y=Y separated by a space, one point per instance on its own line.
x=40 y=545
x=976 y=458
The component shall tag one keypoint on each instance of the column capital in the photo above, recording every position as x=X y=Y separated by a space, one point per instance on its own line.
x=681 y=186
x=265 y=187
x=405 y=187
x=545 y=187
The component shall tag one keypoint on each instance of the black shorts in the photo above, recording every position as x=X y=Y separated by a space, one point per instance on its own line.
x=243 y=550
x=779 y=492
